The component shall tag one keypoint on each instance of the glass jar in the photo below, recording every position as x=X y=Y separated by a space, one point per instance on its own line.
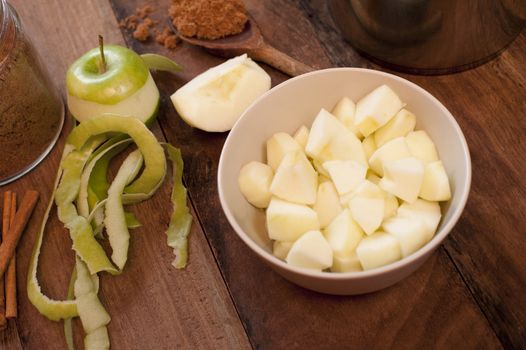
x=31 y=110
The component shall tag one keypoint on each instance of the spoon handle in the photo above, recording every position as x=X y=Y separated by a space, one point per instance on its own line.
x=279 y=60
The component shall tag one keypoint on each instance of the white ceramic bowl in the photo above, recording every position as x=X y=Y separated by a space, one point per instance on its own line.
x=296 y=102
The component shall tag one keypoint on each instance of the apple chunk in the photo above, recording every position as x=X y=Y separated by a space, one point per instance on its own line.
x=426 y=212
x=392 y=150
x=435 y=186
x=368 y=212
x=295 y=179
x=403 y=178
x=278 y=145
x=343 y=234
x=287 y=221
x=344 y=111
x=421 y=146
x=347 y=263
x=254 y=182
x=346 y=174
x=327 y=203
x=401 y=124
x=301 y=136
x=281 y=249
x=378 y=250
x=215 y=99
x=310 y=251
x=411 y=234
x=376 y=109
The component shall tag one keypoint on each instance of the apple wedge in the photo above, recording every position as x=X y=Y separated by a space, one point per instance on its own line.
x=327 y=203
x=295 y=179
x=403 y=178
x=378 y=250
x=347 y=263
x=310 y=251
x=400 y=125
x=215 y=99
x=392 y=150
x=421 y=146
x=287 y=221
x=278 y=145
x=410 y=233
x=344 y=111
x=376 y=109
x=301 y=136
x=368 y=212
x=346 y=174
x=435 y=186
x=254 y=182
x=343 y=234
x=426 y=212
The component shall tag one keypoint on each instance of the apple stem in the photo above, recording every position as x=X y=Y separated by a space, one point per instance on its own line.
x=102 y=67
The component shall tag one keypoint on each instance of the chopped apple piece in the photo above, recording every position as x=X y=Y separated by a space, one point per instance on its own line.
x=403 y=178
x=295 y=179
x=401 y=124
x=301 y=136
x=311 y=251
x=254 y=182
x=369 y=146
x=376 y=109
x=344 y=146
x=368 y=212
x=344 y=111
x=391 y=205
x=377 y=250
x=348 y=263
x=421 y=146
x=435 y=186
x=288 y=221
x=346 y=174
x=324 y=127
x=279 y=145
x=425 y=211
x=392 y=150
x=411 y=234
x=327 y=203
x=343 y=234
x=281 y=249
x=369 y=189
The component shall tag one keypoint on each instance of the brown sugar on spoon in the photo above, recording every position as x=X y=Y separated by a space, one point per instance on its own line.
x=208 y=19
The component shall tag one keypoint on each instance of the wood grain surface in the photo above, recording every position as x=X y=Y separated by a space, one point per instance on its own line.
x=470 y=294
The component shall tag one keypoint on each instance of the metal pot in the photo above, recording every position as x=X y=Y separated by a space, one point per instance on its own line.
x=429 y=36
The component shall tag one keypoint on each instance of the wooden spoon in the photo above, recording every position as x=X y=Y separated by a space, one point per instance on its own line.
x=251 y=42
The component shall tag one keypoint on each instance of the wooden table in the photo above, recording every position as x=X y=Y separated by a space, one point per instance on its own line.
x=470 y=294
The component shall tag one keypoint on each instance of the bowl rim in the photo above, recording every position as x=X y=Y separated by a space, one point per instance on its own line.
x=355 y=275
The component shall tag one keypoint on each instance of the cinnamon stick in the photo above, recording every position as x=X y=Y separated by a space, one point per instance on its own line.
x=8 y=246
x=11 y=310
x=6 y=219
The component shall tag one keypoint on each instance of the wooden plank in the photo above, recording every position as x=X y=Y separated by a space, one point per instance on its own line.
x=152 y=305
x=487 y=244
x=431 y=308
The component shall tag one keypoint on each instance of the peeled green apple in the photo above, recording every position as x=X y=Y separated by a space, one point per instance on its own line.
x=123 y=87
x=215 y=99
x=310 y=251
x=278 y=145
x=254 y=182
x=376 y=109
x=378 y=250
x=327 y=203
x=400 y=125
x=287 y=221
x=295 y=179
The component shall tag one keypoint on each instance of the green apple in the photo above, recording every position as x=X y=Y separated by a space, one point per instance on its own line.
x=124 y=86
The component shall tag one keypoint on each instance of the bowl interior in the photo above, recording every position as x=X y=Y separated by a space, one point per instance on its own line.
x=297 y=102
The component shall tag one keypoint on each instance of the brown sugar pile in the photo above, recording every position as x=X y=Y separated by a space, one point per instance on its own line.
x=208 y=19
